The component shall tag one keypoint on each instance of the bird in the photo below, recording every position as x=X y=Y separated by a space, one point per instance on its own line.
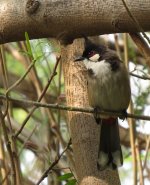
x=108 y=87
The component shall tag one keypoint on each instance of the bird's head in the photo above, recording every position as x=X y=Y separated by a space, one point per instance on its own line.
x=92 y=52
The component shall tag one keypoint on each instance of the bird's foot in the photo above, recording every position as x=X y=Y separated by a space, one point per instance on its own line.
x=97 y=115
x=124 y=115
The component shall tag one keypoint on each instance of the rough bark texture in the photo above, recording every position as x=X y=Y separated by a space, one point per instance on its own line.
x=84 y=131
x=68 y=19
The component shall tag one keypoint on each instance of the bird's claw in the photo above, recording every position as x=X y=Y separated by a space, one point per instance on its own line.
x=124 y=115
x=96 y=115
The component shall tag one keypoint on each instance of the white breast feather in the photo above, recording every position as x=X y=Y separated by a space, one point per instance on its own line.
x=108 y=89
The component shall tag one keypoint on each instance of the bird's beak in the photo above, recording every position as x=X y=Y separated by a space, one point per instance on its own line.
x=79 y=59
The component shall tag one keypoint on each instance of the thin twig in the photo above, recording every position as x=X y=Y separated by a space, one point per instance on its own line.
x=3 y=169
x=5 y=76
x=20 y=79
x=5 y=178
x=75 y=109
x=131 y=122
x=139 y=163
x=135 y=21
x=141 y=77
x=20 y=151
x=5 y=83
x=8 y=146
x=142 y=45
x=45 y=174
x=17 y=83
x=74 y=175
x=57 y=132
x=39 y=99
x=132 y=130
x=117 y=46
x=147 y=151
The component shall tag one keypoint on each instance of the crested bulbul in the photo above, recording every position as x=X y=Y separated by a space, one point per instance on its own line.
x=108 y=89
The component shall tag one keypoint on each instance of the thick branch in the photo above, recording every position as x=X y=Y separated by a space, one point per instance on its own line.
x=69 y=19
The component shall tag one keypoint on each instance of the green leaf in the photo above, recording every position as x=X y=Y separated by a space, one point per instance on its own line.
x=28 y=45
x=66 y=176
x=71 y=182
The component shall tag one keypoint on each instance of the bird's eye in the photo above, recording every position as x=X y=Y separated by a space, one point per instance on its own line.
x=91 y=53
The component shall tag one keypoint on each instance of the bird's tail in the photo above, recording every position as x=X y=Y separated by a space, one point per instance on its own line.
x=109 y=154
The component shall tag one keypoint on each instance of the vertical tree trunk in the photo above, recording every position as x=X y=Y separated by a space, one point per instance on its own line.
x=84 y=131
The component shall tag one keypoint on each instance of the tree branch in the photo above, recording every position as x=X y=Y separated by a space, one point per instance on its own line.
x=45 y=174
x=67 y=20
x=74 y=109
x=40 y=97
x=141 y=77
x=135 y=21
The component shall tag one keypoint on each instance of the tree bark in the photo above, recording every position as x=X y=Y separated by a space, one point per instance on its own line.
x=83 y=128
x=69 y=19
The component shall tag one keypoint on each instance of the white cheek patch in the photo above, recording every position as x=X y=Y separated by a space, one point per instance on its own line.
x=94 y=58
